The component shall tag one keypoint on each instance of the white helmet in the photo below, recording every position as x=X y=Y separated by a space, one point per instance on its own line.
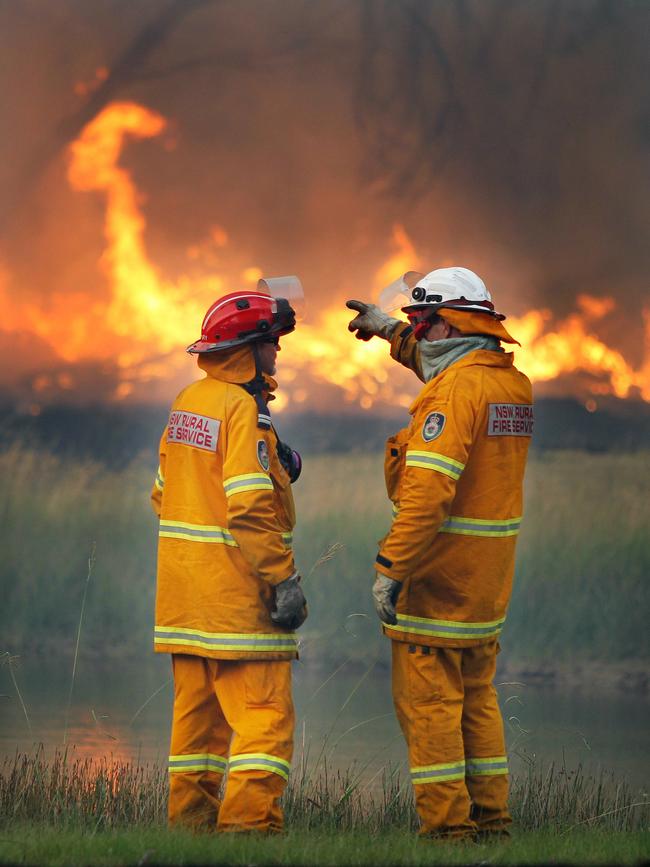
x=453 y=288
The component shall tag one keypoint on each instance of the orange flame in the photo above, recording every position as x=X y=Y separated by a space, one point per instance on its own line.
x=572 y=349
x=141 y=299
x=327 y=352
x=147 y=318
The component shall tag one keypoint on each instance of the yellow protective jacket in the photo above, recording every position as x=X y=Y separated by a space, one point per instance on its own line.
x=455 y=477
x=226 y=516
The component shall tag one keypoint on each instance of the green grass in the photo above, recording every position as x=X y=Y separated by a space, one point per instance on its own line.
x=102 y=794
x=68 y=810
x=583 y=558
x=51 y=513
x=50 y=846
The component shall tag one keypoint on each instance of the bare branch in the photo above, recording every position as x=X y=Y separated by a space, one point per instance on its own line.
x=410 y=114
x=122 y=71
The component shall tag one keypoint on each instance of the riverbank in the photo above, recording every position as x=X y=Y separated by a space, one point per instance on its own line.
x=67 y=791
x=581 y=676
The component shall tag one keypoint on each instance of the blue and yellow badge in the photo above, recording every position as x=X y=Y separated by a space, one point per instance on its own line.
x=263 y=454
x=433 y=426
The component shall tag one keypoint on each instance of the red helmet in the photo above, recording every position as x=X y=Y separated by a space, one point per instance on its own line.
x=243 y=317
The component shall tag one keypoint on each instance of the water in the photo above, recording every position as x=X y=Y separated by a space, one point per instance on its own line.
x=346 y=719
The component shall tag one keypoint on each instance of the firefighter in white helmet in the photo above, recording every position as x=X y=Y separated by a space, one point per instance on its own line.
x=444 y=571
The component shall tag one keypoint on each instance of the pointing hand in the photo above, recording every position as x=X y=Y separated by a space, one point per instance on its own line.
x=370 y=321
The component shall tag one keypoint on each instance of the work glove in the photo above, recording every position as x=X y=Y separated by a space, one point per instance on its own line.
x=370 y=321
x=385 y=592
x=290 y=604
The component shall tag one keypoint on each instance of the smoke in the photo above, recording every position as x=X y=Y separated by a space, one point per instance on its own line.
x=510 y=138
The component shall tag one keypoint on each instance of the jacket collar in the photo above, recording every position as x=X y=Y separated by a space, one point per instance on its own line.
x=235 y=365
x=481 y=357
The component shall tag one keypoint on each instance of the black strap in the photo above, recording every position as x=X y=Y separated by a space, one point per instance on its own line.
x=256 y=388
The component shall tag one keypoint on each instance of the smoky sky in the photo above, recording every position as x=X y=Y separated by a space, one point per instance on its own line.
x=509 y=137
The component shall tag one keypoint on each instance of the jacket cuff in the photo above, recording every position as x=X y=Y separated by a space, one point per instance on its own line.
x=399 y=335
x=295 y=574
x=385 y=567
x=274 y=580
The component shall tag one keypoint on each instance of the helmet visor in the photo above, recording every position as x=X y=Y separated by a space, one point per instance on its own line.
x=289 y=288
x=398 y=293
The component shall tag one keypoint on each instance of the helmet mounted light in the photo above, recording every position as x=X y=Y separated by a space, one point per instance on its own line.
x=420 y=296
x=454 y=288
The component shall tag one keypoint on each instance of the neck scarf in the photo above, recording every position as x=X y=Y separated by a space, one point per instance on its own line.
x=438 y=355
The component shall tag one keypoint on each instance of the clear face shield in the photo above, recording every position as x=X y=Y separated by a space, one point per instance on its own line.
x=398 y=293
x=289 y=288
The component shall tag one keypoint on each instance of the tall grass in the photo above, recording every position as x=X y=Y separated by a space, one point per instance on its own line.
x=583 y=558
x=51 y=511
x=102 y=794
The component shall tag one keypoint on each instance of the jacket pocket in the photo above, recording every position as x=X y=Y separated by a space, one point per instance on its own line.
x=394 y=457
x=283 y=493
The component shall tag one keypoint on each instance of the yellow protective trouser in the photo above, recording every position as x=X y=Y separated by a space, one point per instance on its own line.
x=235 y=716
x=448 y=711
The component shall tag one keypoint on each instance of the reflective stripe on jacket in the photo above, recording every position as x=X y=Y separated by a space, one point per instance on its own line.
x=455 y=478
x=226 y=517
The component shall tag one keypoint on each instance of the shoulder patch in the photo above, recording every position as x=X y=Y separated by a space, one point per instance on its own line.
x=510 y=419
x=433 y=426
x=263 y=455
x=192 y=429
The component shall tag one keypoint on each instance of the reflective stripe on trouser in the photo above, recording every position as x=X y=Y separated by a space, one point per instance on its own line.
x=440 y=773
x=237 y=707
x=447 y=710
x=487 y=767
x=195 y=762
x=259 y=762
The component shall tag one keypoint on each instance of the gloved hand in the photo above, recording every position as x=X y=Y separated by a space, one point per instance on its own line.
x=290 y=604
x=385 y=592
x=371 y=321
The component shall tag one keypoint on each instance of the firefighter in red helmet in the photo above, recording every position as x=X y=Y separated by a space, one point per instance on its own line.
x=228 y=597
